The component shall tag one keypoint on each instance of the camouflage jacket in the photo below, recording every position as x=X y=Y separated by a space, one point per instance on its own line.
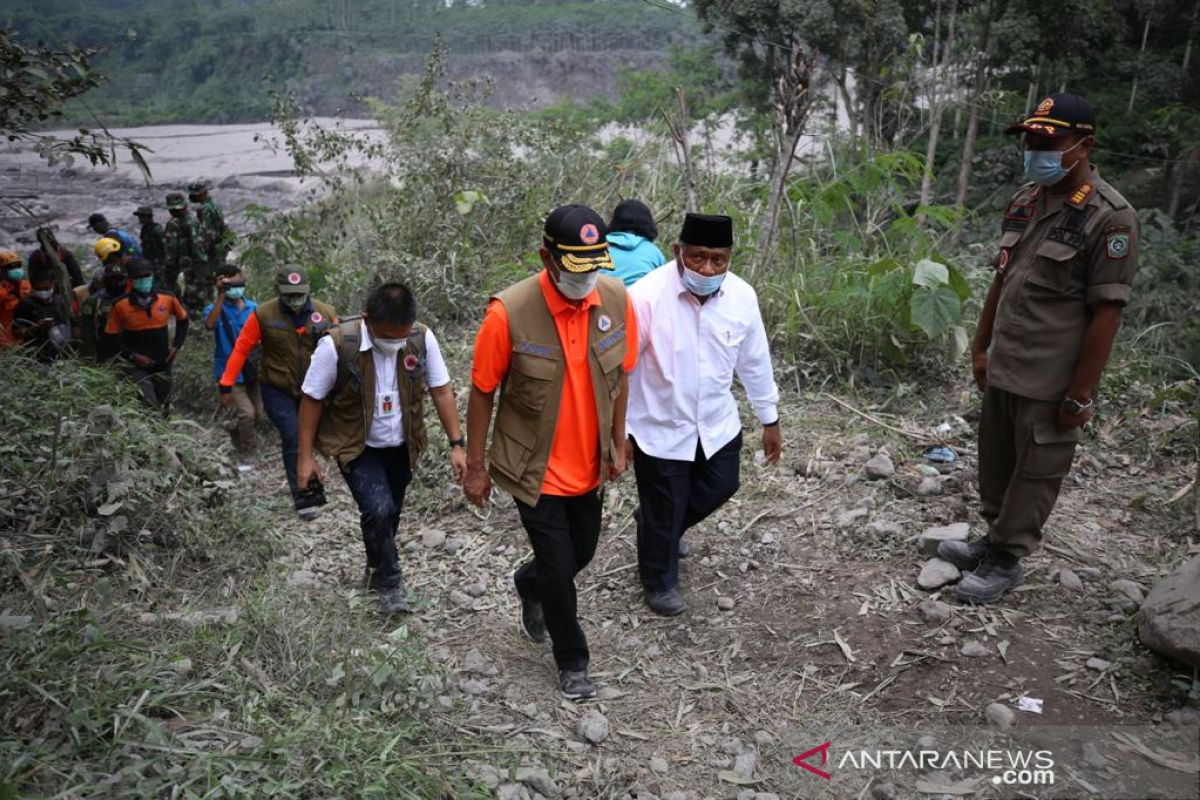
x=154 y=248
x=214 y=236
x=181 y=240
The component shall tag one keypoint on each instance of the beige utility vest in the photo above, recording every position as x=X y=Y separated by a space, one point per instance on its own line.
x=350 y=407
x=285 y=353
x=529 y=396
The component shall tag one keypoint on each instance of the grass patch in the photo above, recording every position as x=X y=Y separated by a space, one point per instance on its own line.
x=162 y=655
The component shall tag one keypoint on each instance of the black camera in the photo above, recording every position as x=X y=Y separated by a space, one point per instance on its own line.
x=312 y=495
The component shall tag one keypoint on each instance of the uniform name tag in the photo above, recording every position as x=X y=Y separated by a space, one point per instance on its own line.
x=386 y=404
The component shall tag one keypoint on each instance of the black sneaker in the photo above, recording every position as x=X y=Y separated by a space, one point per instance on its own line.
x=668 y=604
x=998 y=572
x=575 y=685
x=533 y=620
x=964 y=555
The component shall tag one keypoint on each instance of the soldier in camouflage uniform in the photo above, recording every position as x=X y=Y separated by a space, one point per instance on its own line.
x=214 y=240
x=154 y=247
x=182 y=243
x=215 y=237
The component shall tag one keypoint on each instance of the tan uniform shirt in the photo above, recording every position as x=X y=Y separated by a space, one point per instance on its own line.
x=1059 y=256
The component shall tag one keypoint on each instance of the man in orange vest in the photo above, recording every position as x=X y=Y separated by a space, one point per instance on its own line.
x=560 y=345
x=14 y=287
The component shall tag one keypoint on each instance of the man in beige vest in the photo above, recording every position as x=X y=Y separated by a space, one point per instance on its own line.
x=363 y=405
x=285 y=330
x=560 y=345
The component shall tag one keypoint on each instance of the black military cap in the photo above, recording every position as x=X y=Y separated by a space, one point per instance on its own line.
x=576 y=235
x=1059 y=115
x=144 y=211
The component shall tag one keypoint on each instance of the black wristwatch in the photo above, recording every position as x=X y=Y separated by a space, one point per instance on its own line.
x=1076 y=407
x=771 y=424
x=459 y=442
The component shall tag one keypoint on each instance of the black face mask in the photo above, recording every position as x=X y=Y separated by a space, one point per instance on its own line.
x=114 y=286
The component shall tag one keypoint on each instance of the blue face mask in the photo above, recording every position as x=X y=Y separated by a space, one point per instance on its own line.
x=17 y=274
x=236 y=293
x=1045 y=166
x=702 y=285
x=143 y=285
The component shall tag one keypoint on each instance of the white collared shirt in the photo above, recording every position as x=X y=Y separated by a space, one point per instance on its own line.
x=385 y=431
x=681 y=389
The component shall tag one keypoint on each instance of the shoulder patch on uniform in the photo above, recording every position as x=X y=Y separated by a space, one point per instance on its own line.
x=1117 y=244
x=1080 y=196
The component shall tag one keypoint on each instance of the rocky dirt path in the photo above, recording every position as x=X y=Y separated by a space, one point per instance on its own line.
x=806 y=624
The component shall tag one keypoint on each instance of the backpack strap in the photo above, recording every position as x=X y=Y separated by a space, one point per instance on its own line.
x=347 y=338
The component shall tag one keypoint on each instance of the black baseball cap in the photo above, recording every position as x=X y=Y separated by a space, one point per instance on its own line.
x=575 y=234
x=1059 y=115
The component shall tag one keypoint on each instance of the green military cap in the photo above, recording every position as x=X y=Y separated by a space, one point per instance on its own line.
x=176 y=200
x=144 y=211
x=195 y=187
x=292 y=280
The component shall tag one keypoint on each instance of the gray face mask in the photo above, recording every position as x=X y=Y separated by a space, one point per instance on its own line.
x=577 y=285
x=43 y=294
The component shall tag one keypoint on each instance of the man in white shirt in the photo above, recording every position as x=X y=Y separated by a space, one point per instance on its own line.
x=699 y=325
x=362 y=405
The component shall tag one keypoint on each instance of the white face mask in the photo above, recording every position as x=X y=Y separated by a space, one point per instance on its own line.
x=389 y=347
x=577 y=285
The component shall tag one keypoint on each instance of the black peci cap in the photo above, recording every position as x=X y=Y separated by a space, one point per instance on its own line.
x=1058 y=115
x=707 y=230
x=576 y=234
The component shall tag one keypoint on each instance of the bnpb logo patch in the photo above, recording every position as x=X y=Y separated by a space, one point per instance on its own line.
x=589 y=234
x=1045 y=106
x=294 y=278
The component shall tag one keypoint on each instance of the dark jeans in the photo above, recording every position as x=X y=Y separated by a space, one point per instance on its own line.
x=674 y=496
x=563 y=532
x=377 y=480
x=155 y=387
x=284 y=413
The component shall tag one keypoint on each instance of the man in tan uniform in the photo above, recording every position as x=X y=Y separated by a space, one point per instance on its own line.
x=1068 y=250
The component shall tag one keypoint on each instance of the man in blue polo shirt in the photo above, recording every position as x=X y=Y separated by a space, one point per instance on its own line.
x=225 y=319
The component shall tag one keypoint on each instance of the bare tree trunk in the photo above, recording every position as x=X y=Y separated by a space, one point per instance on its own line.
x=851 y=111
x=937 y=103
x=1188 y=160
x=1187 y=50
x=1031 y=94
x=981 y=82
x=679 y=129
x=790 y=107
x=1141 y=55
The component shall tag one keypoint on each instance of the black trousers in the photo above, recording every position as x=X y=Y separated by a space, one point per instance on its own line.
x=563 y=532
x=378 y=479
x=674 y=496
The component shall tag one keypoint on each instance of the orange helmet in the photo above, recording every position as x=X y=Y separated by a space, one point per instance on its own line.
x=8 y=258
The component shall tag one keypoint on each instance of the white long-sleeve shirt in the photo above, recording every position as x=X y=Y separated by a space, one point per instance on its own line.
x=387 y=424
x=681 y=389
